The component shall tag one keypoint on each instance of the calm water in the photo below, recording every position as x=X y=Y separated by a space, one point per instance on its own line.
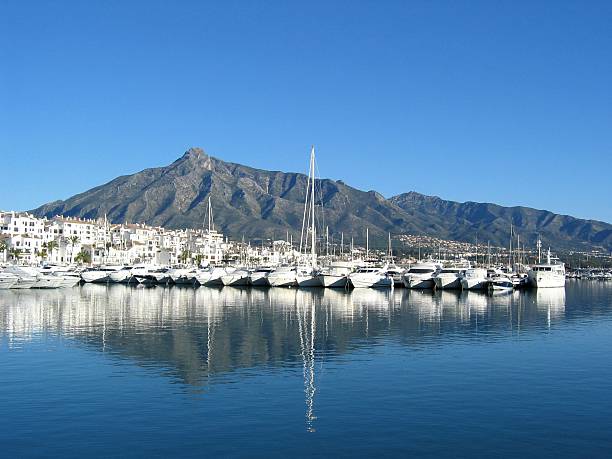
x=120 y=371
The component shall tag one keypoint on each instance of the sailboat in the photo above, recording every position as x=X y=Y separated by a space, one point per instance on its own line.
x=307 y=275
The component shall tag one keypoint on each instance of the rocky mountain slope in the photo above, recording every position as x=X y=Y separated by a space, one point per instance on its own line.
x=260 y=203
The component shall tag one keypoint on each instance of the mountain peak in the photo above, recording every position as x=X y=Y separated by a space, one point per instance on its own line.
x=194 y=153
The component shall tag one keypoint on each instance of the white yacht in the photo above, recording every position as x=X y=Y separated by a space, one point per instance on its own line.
x=420 y=276
x=17 y=281
x=121 y=276
x=212 y=276
x=66 y=276
x=474 y=279
x=336 y=275
x=236 y=278
x=259 y=277
x=371 y=277
x=397 y=274
x=449 y=277
x=7 y=280
x=283 y=276
x=500 y=282
x=144 y=274
x=307 y=276
x=161 y=275
x=99 y=275
x=40 y=280
x=549 y=274
x=183 y=276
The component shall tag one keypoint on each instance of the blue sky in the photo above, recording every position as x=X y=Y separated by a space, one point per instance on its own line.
x=506 y=102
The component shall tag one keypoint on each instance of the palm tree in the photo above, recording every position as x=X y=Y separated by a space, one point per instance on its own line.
x=52 y=245
x=3 y=247
x=83 y=257
x=73 y=240
x=15 y=253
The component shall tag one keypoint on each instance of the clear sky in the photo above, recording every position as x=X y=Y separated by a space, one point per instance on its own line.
x=507 y=102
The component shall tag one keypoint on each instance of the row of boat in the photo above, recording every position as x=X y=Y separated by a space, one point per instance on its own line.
x=26 y=277
x=426 y=275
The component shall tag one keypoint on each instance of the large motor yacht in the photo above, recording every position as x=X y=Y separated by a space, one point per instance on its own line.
x=474 y=279
x=259 y=277
x=283 y=276
x=371 y=277
x=549 y=274
x=420 y=276
x=449 y=277
x=336 y=275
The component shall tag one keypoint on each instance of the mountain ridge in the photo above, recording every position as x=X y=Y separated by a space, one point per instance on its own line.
x=261 y=203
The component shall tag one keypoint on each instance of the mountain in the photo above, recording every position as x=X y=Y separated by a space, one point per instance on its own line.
x=260 y=203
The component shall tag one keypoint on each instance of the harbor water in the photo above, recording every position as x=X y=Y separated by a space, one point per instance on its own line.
x=119 y=371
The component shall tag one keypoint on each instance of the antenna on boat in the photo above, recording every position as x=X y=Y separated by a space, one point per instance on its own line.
x=539 y=245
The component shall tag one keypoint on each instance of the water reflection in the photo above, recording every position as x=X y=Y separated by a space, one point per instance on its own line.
x=198 y=335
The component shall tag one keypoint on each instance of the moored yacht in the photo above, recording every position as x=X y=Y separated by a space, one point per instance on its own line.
x=183 y=276
x=40 y=280
x=335 y=275
x=500 y=282
x=306 y=276
x=66 y=276
x=549 y=274
x=283 y=276
x=259 y=277
x=237 y=278
x=420 y=276
x=449 y=277
x=7 y=280
x=371 y=277
x=474 y=279
x=99 y=275
x=397 y=274
x=122 y=276
x=212 y=276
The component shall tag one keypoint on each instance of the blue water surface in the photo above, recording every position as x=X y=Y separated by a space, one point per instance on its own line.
x=116 y=371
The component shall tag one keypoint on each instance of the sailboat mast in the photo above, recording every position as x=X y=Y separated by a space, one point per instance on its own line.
x=367 y=243
x=313 y=251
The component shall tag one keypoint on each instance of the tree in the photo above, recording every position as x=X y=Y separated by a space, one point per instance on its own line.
x=73 y=240
x=3 y=247
x=51 y=246
x=15 y=253
x=83 y=257
x=184 y=256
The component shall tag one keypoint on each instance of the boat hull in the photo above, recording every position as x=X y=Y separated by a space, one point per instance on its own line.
x=447 y=283
x=419 y=283
x=473 y=284
x=333 y=281
x=7 y=282
x=282 y=281
x=259 y=280
x=95 y=277
x=546 y=281
x=369 y=281
x=309 y=281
